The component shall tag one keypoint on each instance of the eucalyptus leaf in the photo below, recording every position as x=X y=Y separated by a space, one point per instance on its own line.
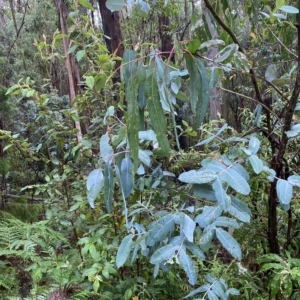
x=256 y=163
x=208 y=216
x=188 y=265
x=229 y=243
x=199 y=177
x=126 y=176
x=94 y=185
x=124 y=250
x=106 y=150
x=284 y=191
x=115 y=5
x=165 y=253
x=108 y=187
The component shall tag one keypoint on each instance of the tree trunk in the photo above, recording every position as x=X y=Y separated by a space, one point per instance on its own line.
x=215 y=94
x=70 y=62
x=111 y=28
x=165 y=38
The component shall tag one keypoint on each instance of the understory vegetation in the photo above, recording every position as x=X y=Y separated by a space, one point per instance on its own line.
x=149 y=149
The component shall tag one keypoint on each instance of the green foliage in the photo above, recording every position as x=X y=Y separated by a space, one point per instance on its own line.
x=124 y=212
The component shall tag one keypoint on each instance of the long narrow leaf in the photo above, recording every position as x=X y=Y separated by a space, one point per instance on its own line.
x=156 y=114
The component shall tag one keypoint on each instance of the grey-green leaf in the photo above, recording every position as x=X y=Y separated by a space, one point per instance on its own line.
x=188 y=265
x=254 y=144
x=229 y=243
x=187 y=225
x=161 y=228
x=124 y=250
x=108 y=187
x=226 y=222
x=236 y=181
x=126 y=176
x=199 y=177
x=256 y=163
x=226 y=53
x=284 y=191
x=239 y=210
x=94 y=185
x=165 y=253
x=209 y=215
x=294 y=180
x=195 y=250
x=106 y=150
x=115 y=5
x=205 y=191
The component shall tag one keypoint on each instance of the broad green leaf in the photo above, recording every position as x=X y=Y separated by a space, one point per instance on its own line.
x=193 y=46
x=165 y=253
x=126 y=176
x=156 y=114
x=130 y=68
x=131 y=93
x=226 y=53
x=124 y=250
x=208 y=216
x=11 y=89
x=226 y=222
x=94 y=185
x=279 y=3
x=141 y=96
x=188 y=265
x=187 y=226
x=161 y=229
x=254 y=144
x=115 y=5
x=108 y=187
x=205 y=191
x=193 y=83
x=195 y=250
x=90 y=81
x=289 y=9
x=256 y=163
x=199 y=177
x=203 y=94
x=271 y=257
x=106 y=150
x=86 y=4
x=269 y=266
x=239 y=210
x=284 y=191
x=229 y=243
x=80 y=55
x=287 y=286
